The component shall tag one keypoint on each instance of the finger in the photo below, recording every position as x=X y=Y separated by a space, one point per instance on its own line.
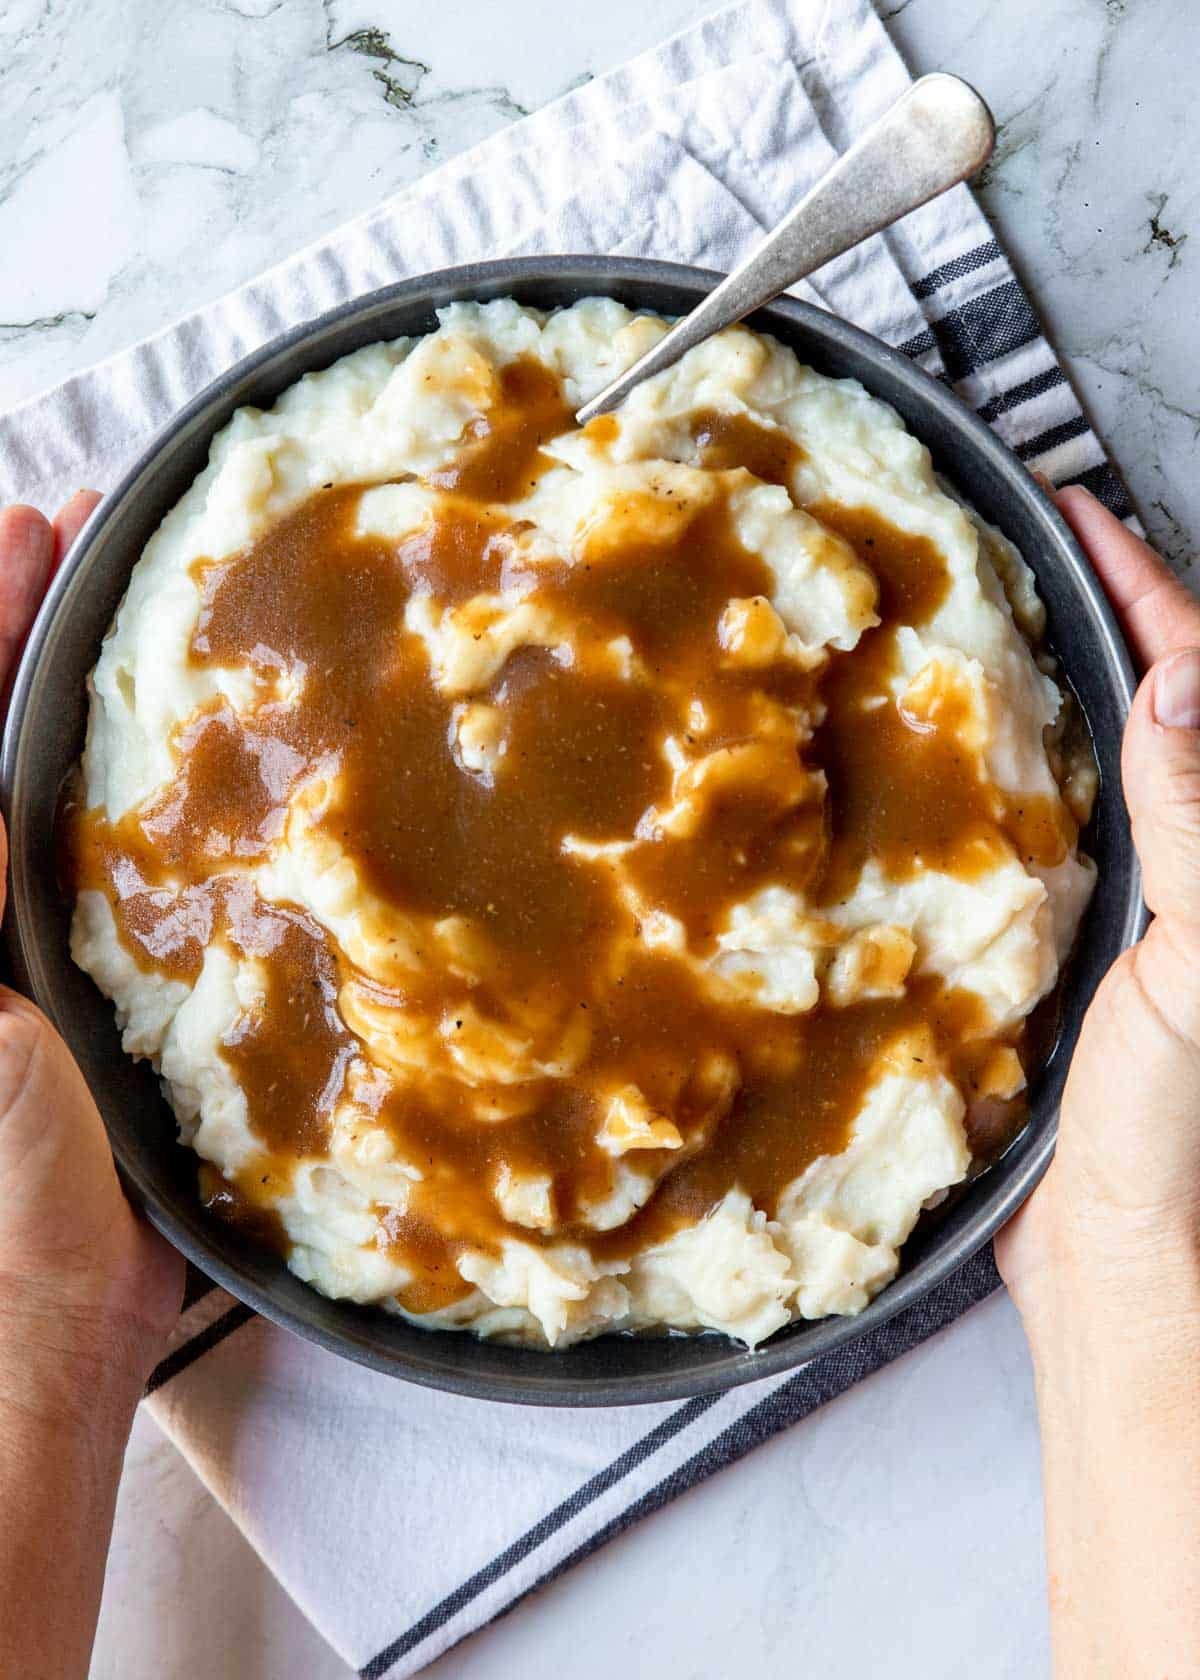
x=1160 y=766
x=1158 y=613
x=70 y=520
x=26 y=551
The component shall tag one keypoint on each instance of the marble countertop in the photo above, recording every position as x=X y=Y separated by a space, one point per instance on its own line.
x=156 y=153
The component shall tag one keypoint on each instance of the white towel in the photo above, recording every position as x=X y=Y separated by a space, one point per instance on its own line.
x=401 y=1519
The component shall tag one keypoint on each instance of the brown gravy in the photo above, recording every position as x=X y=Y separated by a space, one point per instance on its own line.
x=727 y=440
x=755 y=1095
x=911 y=790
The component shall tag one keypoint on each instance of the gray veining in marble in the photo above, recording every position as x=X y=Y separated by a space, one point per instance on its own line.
x=1094 y=188
x=159 y=151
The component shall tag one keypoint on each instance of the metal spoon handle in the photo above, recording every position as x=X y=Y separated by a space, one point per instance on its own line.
x=935 y=135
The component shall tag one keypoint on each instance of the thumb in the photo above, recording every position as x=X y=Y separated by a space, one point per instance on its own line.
x=1160 y=765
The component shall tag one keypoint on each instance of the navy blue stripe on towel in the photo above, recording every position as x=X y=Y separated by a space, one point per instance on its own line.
x=957 y=269
x=181 y=1357
x=984 y=330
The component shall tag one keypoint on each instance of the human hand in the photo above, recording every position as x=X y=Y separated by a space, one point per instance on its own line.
x=88 y=1291
x=84 y=1281
x=1104 y=1259
x=1117 y=1218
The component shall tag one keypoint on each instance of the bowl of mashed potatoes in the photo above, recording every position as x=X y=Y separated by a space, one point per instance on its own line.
x=572 y=914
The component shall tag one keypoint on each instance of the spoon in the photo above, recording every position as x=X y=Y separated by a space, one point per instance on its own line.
x=934 y=136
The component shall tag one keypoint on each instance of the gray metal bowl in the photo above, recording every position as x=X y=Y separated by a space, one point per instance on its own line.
x=44 y=736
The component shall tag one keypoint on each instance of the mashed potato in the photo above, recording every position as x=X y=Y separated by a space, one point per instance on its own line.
x=576 y=880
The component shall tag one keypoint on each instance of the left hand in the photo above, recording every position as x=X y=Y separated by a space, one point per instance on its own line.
x=84 y=1281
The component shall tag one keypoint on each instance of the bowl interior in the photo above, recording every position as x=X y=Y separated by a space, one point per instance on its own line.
x=44 y=736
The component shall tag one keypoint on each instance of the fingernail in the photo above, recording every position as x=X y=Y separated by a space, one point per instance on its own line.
x=1176 y=694
x=1043 y=481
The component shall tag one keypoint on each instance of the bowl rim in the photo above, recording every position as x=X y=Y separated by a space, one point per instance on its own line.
x=781 y=1353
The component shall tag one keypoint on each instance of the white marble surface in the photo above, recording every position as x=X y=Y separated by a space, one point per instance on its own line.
x=154 y=153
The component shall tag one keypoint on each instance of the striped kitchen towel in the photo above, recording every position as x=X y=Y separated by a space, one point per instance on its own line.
x=341 y=1478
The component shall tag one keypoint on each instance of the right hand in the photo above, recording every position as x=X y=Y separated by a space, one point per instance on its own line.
x=1117 y=1218
x=1104 y=1259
